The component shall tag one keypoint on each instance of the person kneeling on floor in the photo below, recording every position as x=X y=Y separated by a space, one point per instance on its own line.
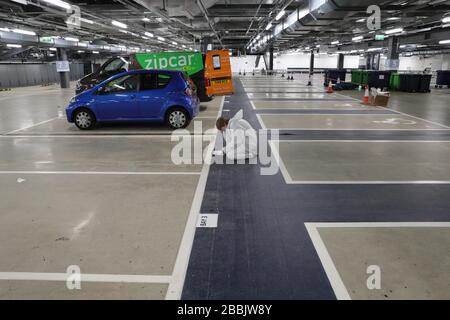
x=240 y=138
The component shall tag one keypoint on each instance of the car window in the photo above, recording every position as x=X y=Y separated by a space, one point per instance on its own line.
x=116 y=65
x=125 y=83
x=148 y=81
x=216 y=62
x=162 y=80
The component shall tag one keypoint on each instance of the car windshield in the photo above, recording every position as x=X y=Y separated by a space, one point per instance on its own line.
x=115 y=65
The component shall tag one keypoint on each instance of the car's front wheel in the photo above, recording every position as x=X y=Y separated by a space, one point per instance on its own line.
x=177 y=118
x=84 y=119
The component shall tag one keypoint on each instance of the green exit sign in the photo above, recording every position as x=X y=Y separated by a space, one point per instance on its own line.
x=379 y=37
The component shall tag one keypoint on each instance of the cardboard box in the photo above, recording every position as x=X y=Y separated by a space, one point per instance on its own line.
x=379 y=100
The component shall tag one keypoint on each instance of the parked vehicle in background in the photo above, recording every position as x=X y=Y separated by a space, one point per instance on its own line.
x=138 y=95
x=211 y=72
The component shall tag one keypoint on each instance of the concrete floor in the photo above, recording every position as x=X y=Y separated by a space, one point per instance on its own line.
x=109 y=201
x=341 y=163
x=112 y=202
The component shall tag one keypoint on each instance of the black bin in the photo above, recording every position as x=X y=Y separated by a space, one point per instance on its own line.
x=378 y=79
x=424 y=84
x=334 y=75
x=410 y=82
x=443 y=78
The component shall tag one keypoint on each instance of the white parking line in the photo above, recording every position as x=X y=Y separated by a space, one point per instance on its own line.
x=406 y=114
x=331 y=271
x=31 y=126
x=184 y=252
x=274 y=145
x=85 y=277
x=105 y=172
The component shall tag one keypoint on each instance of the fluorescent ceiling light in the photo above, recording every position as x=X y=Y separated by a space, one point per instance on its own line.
x=59 y=3
x=95 y=52
x=335 y=42
x=396 y=30
x=393 y=18
x=9 y=45
x=52 y=49
x=146 y=19
x=80 y=51
x=161 y=39
x=183 y=46
x=444 y=42
x=123 y=31
x=446 y=25
x=357 y=38
x=149 y=34
x=374 y=49
x=446 y=19
x=361 y=20
x=280 y=14
x=71 y=39
x=87 y=20
x=119 y=24
x=269 y=26
x=5 y=29
x=174 y=43
x=30 y=33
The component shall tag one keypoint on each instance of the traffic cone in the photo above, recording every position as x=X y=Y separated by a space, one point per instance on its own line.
x=330 y=87
x=366 y=96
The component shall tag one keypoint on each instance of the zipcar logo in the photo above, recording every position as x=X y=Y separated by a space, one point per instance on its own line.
x=182 y=61
x=172 y=62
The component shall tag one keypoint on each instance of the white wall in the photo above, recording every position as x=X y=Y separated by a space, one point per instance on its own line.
x=437 y=62
x=244 y=63
x=294 y=60
x=297 y=60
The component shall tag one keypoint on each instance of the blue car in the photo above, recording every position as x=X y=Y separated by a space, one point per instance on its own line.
x=140 y=95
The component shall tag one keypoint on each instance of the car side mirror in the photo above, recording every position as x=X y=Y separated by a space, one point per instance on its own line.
x=101 y=90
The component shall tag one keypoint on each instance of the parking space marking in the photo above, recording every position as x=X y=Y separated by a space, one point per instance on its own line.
x=274 y=146
x=175 y=288
x=85 y=277
x=105 y=172
x=400 y=112
x=327 y=263
x=445 y=128
x=330 y=269
x=31 y=126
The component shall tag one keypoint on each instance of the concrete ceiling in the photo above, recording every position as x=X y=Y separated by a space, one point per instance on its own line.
x=231 y=24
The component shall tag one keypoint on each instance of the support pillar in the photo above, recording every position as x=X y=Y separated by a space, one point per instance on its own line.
x=64 y=76
x=271 y=60
x=311 y=67
x=206 y=44
x=392 y=59
x=340 y=64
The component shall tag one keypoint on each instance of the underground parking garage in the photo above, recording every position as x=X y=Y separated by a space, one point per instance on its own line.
x=224 y=150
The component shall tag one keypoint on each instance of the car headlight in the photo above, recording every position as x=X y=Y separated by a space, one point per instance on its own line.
x=73 y=100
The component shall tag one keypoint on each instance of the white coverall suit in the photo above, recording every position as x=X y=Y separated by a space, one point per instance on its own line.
x=241 y=139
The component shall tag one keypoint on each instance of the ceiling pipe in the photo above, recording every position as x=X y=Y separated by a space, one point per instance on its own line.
x=205 y=13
